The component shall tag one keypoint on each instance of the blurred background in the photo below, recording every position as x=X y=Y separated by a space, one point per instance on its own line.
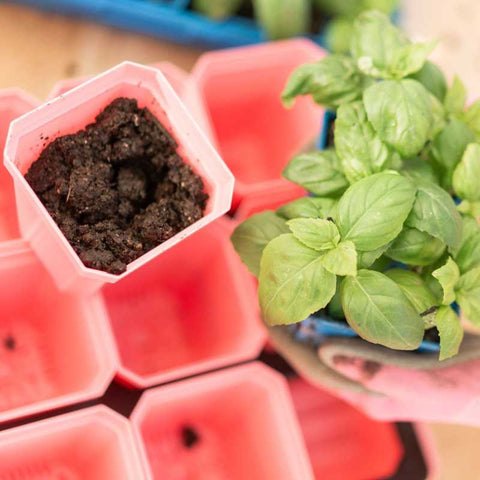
x=38 y=48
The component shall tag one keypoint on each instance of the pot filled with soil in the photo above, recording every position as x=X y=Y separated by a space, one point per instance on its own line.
x=112 y=174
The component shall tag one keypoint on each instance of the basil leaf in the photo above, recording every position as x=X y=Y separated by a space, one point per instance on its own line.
x=448 y=276
x=341 y=260
x=318 y=172
x=335 y=306
x=368 y=259
x=469 y=208
x=309 y=207
x=372 y=211
x=468 y=295
x=401 y=113
x=331 y=82
x=217 y=9
x=379 y=312
x=434 y=212
x=251 y=237
x=448 y=147
x=338 y=34
x=432 y=78
x=450 y=330
x=315 y=233
x=415 y=247
x=455 y=97
x=467 y=174
x=410 y=59
x=468 y=256
x=414 y=288
x=375 y=41
x=360 y=149
x=283 y=19
x=293 y=284
x=418 y=169
x=472 y=117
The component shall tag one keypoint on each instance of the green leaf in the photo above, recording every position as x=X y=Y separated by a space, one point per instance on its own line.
x=455 y=97
x=379 y=312
x=448 y=276
x=368 y=259
x=415 y=247
x=434 y=212
x=466 y=177
x=217 y=9
x=432 y=78
x=468 y=295
x=382 y=50
x=283 y=18
x=472 y=117
x=468 y=256
x=414 y=288
x=450 y=330
x=401 y=113
x=309 y=207
x=372 y=211
x=448 y=147
x=338 y=34
x=418 y=169
x=251 y=237
x=375 y=40
x=331 y=81
x=469 y=208
x=335 y=309
x=360 y=149
x=315 y=233
x=318 y=172
x=342 y=260
x=293 y=284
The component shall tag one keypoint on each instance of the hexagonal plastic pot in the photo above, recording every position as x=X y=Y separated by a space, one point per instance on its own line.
x=55 y=348
x=70 y=113
x=187 y=312
x=238 y=423
x=175 y=76
x=239 y=90
x=94 y=444
x=13 y=103
x=341 y=441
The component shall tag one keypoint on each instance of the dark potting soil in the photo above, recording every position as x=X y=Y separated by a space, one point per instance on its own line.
x=118 y=188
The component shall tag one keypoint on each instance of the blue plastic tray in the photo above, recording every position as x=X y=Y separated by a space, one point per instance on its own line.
x=169 y=19
x=314 y=329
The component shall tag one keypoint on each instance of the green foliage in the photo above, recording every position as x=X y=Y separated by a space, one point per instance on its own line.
x=403 y=145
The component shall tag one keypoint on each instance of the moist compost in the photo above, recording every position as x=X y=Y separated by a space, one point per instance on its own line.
x=118 y=188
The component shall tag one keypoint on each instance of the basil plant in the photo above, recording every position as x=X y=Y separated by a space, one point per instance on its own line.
x=388 y=237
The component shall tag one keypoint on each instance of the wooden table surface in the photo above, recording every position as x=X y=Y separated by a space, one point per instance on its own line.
x=37 y=49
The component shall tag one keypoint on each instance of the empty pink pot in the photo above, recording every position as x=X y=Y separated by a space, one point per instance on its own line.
x=55 y=349
x=94 y=444
x=239 y=90
x=342 y=442
x=72 y=112
x=175 y=76
x=235 y=424
x=187 y=312
x=13 y=103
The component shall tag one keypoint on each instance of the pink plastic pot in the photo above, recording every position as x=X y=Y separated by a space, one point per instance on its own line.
x=238 y=90
x=175 y=76
x=342 y=442
x=187 y=312
x=235 y=424
x=71 y=112
x=55 y=349
x=13 y=103
x=93 y=444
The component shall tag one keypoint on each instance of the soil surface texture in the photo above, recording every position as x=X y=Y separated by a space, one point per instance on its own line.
x=118 y=188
